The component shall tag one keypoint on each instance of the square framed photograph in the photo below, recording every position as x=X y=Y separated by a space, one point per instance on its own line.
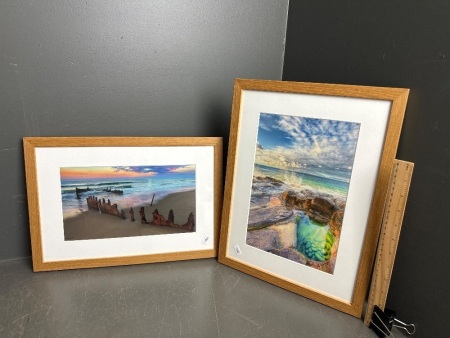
x=104 y=201
x=307 y=177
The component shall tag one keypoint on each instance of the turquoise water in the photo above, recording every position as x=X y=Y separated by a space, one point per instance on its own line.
x=314 y=239
x=326 y=180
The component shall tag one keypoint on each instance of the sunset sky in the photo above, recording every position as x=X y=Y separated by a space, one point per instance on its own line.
x=293 y=142
x=77 y=173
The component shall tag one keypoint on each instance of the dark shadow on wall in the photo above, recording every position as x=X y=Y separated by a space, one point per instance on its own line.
x=16 y=220
x=394 y=44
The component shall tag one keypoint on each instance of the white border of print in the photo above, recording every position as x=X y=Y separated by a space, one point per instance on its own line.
x=50 y=160
x=373 y=124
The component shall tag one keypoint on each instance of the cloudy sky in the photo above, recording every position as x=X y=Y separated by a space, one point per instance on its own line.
x=292 y=142
x=122 y=172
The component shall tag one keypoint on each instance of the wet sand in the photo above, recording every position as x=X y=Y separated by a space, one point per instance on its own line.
x=93 y=225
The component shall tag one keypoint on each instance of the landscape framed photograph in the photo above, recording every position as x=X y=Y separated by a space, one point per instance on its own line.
x=307 y=177
x=102 y=201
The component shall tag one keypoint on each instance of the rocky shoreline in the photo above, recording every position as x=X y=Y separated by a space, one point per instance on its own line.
x=280 y=216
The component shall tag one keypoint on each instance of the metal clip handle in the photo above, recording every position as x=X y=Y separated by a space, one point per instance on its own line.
x=409 y=328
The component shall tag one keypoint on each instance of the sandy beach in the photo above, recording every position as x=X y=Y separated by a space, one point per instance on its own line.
x=93 y=225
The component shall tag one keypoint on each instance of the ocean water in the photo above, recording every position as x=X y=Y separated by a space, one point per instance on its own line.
x=334 y=181
x=137 y=192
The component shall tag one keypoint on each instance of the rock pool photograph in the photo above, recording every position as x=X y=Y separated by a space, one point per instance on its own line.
x=301 y=177
x=124 y=201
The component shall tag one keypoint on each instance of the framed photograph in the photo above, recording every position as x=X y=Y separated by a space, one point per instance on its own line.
x=307 y=177
x=103 y=201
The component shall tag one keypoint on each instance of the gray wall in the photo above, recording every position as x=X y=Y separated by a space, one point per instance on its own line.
x=401 y=43
x=122 y=68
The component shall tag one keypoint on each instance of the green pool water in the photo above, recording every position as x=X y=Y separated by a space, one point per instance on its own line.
x=314 y=239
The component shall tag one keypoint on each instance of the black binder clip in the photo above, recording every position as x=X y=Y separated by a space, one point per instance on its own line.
x=383 y=321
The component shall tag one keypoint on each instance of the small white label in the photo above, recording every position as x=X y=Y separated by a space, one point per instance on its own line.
x=237 y=249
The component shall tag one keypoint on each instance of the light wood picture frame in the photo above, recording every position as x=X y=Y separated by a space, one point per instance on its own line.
x=307 y=176
x=107 y=201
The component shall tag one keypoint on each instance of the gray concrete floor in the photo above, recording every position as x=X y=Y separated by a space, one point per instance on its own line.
x=199 y=298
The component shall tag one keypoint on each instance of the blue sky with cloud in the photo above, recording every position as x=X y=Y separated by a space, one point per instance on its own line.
x=292 y=142
x=157 y=170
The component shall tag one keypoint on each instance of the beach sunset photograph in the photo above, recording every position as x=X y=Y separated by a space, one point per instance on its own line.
x=301 y=177
x=124 y=201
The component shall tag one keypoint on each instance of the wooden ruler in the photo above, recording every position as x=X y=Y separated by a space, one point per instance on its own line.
x=390 y=233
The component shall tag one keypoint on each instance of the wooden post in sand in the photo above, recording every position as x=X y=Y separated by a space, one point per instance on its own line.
x=142 y=215
x=131 y=212
x=152 y=200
